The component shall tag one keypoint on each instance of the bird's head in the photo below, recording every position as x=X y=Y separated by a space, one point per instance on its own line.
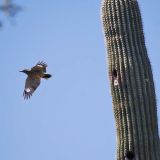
x=26 y=71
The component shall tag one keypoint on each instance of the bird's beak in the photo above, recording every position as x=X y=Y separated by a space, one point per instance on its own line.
x=20 y=71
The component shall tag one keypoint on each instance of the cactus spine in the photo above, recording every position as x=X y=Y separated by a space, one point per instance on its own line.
x=131 y=81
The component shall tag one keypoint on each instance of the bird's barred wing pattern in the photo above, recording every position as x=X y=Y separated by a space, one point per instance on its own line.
x=30 y=86
x=40 y=66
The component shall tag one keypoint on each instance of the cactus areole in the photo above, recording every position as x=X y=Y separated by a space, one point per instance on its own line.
x=131 y=81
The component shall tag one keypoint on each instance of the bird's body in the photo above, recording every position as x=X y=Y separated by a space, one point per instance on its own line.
x=34 y=78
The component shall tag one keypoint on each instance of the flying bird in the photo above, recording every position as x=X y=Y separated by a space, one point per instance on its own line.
x=34 y=78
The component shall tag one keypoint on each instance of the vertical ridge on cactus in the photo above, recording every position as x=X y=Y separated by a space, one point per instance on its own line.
x=131 y=81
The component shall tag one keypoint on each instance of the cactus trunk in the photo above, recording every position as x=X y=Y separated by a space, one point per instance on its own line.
x=131 y=81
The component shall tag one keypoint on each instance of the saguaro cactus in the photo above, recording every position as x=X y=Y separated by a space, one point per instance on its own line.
x=131 y=81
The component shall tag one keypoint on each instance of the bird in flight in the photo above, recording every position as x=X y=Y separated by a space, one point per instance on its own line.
x=34 y=78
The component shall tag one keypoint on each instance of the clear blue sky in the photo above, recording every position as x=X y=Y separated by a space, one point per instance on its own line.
x=70 y=116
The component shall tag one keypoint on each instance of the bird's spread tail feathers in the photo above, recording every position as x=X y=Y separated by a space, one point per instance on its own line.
x=46 y=76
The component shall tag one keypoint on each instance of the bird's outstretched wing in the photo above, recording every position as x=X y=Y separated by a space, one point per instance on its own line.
x=40 y=66
x=30 y=86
